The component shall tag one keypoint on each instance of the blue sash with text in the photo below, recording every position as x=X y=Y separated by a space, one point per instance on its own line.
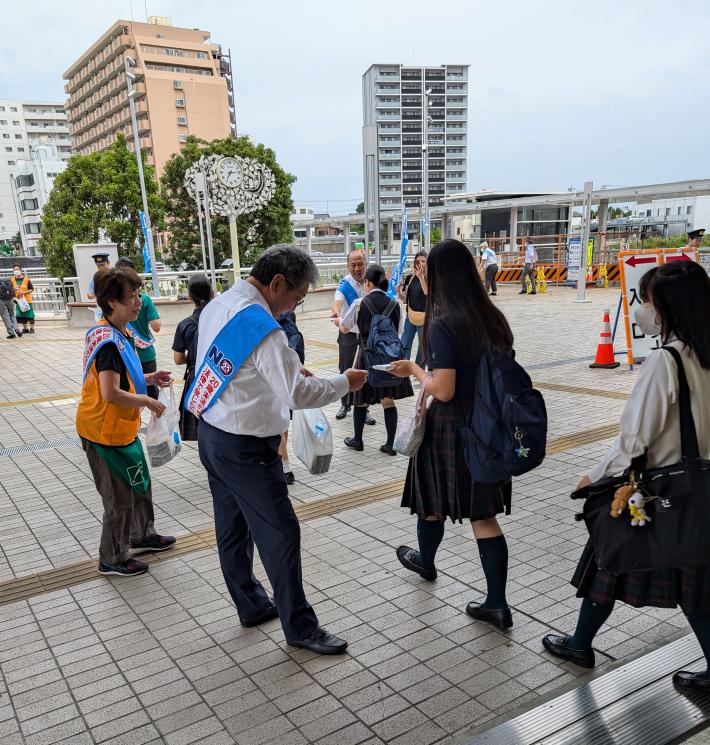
x=226 y=354
x=140 y=341
x=97 y=337
x=349 y=292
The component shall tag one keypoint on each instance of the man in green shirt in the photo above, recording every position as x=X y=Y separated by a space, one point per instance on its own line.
x=144 y=326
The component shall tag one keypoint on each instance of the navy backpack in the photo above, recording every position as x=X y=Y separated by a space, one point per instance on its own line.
x=383 y=345
x=507 y=429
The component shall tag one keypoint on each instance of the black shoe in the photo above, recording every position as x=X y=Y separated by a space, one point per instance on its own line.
x=370 y=419
x=153 y=544
x=25 y=331
x=32 y=330
x=408 y=558
x=523 y=292
x=387 y=450
x=351 y=442
x=534 y=292
x=342 y=412
x=502 y=618
x=11 y=336
x=558 y=647
x=320 y=642
x=696 y=681
x=290 y=478
x=18 y=334
x=494 y=293
x=265 y=615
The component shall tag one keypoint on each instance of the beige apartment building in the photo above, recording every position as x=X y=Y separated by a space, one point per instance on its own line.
x=183 y=87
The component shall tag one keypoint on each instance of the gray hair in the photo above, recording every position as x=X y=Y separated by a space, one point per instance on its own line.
x=285 y=258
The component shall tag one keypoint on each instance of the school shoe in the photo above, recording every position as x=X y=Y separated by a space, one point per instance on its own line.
x=523 y=292
x=266 y=614
x=11 y=336
x=502 y=618
x=696 y=681
x=18 y=333
x=25 y=331
x=387 y=450
x=558 y=646
x=369 y=419
x=32 y=330
x=290 y=478
x=408 y=558
x=351 y=442
x=342 y=412
x=128 y=568
x=320 y=642
x=153 y=544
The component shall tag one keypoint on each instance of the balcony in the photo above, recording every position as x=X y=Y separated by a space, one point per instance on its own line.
x=394 y=78
x=387 y=91
x=390 y=169
x=456 y=117
x=385 y=117
x=388 y=104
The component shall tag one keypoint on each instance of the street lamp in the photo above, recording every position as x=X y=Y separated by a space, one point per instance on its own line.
x=130 y=77
x=425 y=171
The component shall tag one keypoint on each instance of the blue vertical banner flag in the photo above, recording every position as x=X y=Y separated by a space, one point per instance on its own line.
x=398 y=269
x=146 y=253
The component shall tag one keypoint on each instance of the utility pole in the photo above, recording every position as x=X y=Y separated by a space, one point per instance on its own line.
x=425 y=171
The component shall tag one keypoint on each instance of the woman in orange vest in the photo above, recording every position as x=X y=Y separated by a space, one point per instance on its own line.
x=23 y=295
x=108 y=419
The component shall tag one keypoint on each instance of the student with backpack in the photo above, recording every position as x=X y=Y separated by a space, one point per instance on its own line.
x=462 y=327
x=378 y=320
x=7 y=309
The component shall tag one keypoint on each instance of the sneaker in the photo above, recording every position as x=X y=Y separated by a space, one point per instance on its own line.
x=129 y=568
x=153 y=543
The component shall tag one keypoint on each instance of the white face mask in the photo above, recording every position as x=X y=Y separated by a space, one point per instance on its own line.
x=647 y=320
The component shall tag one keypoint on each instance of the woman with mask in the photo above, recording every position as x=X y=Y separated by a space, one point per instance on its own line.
x=25 y=311
x=676 y=307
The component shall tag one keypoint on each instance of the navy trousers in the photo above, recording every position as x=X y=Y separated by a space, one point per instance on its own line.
x=251 y=506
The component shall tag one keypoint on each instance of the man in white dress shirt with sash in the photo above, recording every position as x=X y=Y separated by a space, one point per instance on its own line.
x=247 y=378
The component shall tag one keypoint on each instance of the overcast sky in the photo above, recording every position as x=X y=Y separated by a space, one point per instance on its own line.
x=560 y=91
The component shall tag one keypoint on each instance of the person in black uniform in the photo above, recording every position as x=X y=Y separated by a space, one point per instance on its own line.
x=358 y=315
x=460 y=321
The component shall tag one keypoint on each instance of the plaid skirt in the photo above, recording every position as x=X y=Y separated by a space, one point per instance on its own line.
x=188 y=421
x=688 y=588
x=438 y=481
x=368 y=395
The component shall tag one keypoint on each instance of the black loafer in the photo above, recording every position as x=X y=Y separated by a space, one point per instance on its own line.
x=290 y=478
x=351 y=442
x=320 y=642
x=266 y=615
x=407 y=558
x=387 y=450
x=369 y=419
x=342 y=412
x=558 y=646
x=696 y=681
x=502 y=618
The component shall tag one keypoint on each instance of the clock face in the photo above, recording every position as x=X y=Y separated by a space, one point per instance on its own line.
x=229 y=172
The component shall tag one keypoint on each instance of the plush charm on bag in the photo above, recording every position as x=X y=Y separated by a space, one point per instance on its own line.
x=638 y=513
x=622 y=496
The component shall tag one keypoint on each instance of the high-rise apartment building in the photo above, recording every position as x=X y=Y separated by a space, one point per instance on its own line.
x=24 y=126
x=183 y=87
x=394 y=111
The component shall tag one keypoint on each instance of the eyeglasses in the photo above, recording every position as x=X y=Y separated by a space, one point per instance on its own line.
x=134 y=297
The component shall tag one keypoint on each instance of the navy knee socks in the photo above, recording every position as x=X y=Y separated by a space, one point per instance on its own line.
x=359 y=416
x=701 y=628
x=429 y=533
x=391 y=424
x=494 y=560
x=591 y=618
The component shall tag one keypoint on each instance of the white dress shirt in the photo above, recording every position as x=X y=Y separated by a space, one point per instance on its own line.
x=530 y=254
x=359 y=289
x=269 y=383
x=651 y=417
x=349 y=320
x=489 y=257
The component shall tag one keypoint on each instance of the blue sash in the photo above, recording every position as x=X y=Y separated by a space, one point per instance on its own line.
x=348 y=291
x=237 y=339
x=140 y=341
x=97 y=337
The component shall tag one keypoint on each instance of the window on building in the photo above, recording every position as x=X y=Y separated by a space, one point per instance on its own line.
x=6 y=136
x=29 y=204
x=182 y=120
x=16 y=123
x=648 y=213
x=18 y=137
x=8 y=149
x=11 y=162
x=689 y=211
x=20 y=149
x=160 y=36
x=13 y=108
x=172 y=52
x=183 y=138
x=201 y=55
x=2 y=108
x=668 y=211
x=680 y=211
x=177 y=84
x=32 y=228
x=25 y=181
x=180 y=102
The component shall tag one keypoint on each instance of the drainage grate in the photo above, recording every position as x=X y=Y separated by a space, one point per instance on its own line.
x=69 y=442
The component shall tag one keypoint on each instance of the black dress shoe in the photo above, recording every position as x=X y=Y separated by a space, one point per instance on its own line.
x=290 y=478
x=558 y=646
x=342 y=412
x=502 y=618
x=387 y=450
x=351 y=442
x=266 y=615
x=320 y=642
x=408 y=558
x=369 y=419
x=696 y=681
x=523 y=292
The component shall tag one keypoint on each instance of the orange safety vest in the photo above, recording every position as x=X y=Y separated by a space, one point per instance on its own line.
x=22 y=289
x=101 y=422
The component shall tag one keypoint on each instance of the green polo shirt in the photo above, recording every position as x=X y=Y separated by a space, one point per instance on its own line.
x=148 y=313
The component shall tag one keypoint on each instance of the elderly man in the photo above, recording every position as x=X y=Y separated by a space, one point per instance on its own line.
x=247 y=379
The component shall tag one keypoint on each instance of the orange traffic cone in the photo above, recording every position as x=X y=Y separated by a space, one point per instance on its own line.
x=605 y=348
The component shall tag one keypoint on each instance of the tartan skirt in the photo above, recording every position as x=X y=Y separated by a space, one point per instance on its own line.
x=438 y=481
x=368 y=395
x=188 y=421
x=688 y=588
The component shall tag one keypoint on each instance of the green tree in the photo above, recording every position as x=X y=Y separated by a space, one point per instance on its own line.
x=256 y=231
x=98 y=195
x=360 y=209
x=435 y=236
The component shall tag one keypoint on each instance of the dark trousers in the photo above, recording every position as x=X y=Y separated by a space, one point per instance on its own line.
x=347 y=348
x=251 y=506
x=490 y=279
x=529 y=271
x=151 y=367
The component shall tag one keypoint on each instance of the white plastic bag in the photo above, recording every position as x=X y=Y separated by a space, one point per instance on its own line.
x=312 y=440
x=23 y=305
x=410 y=430
x=162 y=436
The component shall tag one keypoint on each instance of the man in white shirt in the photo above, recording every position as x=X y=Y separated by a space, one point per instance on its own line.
x=531 y=259
x=349 y=290
x=489 y=265
x=243 y=413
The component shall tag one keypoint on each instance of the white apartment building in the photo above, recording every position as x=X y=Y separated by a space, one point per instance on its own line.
x=680 y=215
x=22 y=126
x=394 y=111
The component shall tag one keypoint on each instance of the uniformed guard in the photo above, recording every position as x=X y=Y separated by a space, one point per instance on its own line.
x=246 y=381
x=695 y=238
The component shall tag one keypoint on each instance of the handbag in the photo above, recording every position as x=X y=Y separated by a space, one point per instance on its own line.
x=416 y=317
x=410 y=430
x=676 y=502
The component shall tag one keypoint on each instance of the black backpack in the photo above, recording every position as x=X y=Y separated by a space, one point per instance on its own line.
x=7 y=291
x=383 y=344
x=507 y=429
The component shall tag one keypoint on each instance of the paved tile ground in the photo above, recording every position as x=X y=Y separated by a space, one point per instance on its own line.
x=160 y=659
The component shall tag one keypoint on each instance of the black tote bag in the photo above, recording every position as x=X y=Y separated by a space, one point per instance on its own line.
x=677 y=501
